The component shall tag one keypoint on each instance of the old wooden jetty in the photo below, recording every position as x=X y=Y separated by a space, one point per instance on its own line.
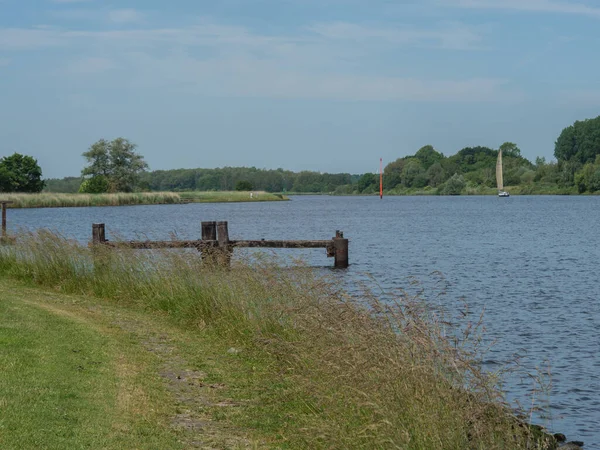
x=215 y=243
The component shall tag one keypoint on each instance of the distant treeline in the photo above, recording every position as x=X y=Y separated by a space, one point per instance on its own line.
x=472 y=170
x=226 y=179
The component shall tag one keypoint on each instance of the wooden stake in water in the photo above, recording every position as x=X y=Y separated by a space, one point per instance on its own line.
x=4 y=203
x=381 y=178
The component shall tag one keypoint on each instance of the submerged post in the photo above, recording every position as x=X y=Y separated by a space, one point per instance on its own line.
x=225 y=249
x=340 y=246
x=98 y=233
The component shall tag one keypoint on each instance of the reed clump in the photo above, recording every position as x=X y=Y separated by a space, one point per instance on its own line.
x=52 y=200
x=55 y=200
x=328 y=371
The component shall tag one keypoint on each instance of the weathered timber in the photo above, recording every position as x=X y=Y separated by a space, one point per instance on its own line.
x=281 y=244
x=98 y=233
x=209 y=234
x=4 y=203
x=340 y=246
x=148 y=245
x=209 y=231
x=225 y=250
x=216 y=247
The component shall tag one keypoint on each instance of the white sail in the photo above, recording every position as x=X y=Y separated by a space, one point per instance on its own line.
x=499 y=177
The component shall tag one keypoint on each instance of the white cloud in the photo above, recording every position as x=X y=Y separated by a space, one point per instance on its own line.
x=458 y=37
x=211 y=59
x=125 y=16
x=549 y=6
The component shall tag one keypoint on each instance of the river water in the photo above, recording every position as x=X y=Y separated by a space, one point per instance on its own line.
x=530 y=262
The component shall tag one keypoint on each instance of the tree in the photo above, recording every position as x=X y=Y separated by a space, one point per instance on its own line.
x=243 y=185
x=436 y=174
x=411 y=173
x=579 y=142
x=510 y=149
x=454 y=185
x=20 y=173
x=366 y=181
x=428 y=156
x=117 y=162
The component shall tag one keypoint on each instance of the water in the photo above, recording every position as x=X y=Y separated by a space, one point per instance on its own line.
x=531 y=262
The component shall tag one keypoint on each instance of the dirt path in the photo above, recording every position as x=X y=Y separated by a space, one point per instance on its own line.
x=194 y=398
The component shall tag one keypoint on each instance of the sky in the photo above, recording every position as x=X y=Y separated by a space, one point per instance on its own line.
x=324 y=85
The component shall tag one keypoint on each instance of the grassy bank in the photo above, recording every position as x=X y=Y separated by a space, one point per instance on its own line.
x=305 y=366
x=72 y=383
x=230 y=196
x=48 y=200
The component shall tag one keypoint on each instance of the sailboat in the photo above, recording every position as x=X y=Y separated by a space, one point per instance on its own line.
x=500 y=177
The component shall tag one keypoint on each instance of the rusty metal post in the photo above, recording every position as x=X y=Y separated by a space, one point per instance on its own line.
x=98 y=233
x=225 y=249
x=340 y=246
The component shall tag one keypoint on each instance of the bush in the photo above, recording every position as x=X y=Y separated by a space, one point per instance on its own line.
x=243 y=185
x=95 y=185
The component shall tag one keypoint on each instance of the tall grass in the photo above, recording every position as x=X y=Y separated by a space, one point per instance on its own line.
x=48 y=200
x=338 y=373
x=53 y=200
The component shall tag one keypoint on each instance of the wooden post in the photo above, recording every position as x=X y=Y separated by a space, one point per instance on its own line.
x=341 y=250
x=225 y=249
x=4 y=203
x=209 y=233
x=98 y=233
x=98 y=254
x=3 y=220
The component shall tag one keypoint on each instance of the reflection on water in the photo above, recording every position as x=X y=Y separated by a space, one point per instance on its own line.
x=530 y=262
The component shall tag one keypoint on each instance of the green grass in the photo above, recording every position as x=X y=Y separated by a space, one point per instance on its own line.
x=67 y=384
x=52 y=200
x=231 y=196
x=304 y=365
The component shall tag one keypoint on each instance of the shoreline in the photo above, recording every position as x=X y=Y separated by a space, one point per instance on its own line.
x=58 y=200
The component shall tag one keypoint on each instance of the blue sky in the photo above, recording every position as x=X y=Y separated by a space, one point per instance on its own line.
x=326 y=85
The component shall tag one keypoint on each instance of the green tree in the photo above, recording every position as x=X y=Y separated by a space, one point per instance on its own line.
x=579 y=142
x=454 y=186
x=243 y=185
x=366 y=181
x=435 y=174
x=412 y=171
x=510 y=149
x=20 y=173
x=392 y=173
x=428 y=156
x=117 y=161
